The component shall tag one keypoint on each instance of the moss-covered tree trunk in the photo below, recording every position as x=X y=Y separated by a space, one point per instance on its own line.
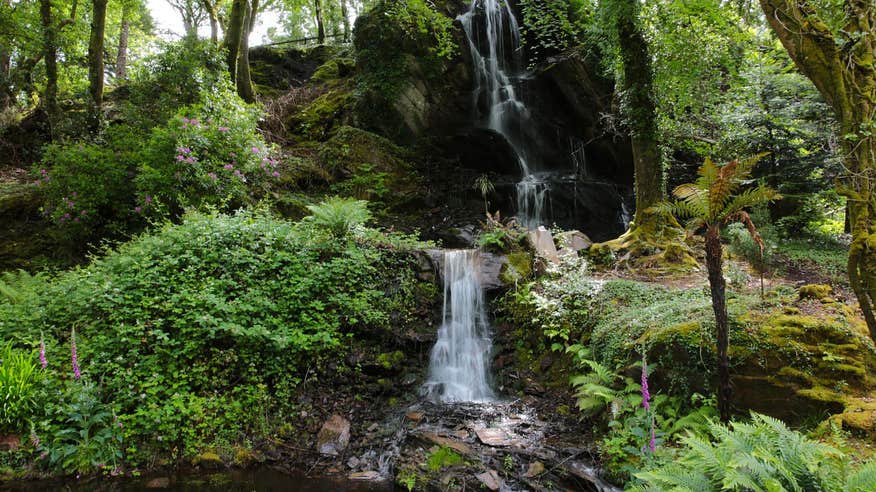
x=95 y=63
x=345 y=14
x=234 y=34
x=244 y=79
x=122 y=53
x=717 y=287
x=212 y=9
x=842 y=65
x=320 y=21
x=50 y=55
x=641 y=111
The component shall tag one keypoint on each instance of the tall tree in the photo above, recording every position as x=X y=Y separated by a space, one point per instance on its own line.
x=244 y=81
x=345 y=18
x=192 y=13
x=95 y=62
x=710 y=203
x=50 y=55
x=212 y=9
x=122 y=54
x=837 y=51
x=320 y=21
x=234 y=34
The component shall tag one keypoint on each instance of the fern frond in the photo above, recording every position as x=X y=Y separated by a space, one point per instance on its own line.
x=747 y=199
x=863 y=479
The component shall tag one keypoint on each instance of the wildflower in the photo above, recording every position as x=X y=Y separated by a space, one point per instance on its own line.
x=223 y=129
x=180 y=158
x=652 y=444
x=194 y=122
x=275 y=174
x=43 y=361
x=229 y=167
x=255 y=150
x=67 y=216
x=74 y=357
x=138 y=209
x=148 y=199
x=646 y=396
x=212 y=176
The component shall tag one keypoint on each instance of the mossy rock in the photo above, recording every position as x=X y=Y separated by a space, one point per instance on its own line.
x=818 y=292
x=369 y=167
x=208 y=460
x=319 y=119
x=334 y=69
x=517 y=269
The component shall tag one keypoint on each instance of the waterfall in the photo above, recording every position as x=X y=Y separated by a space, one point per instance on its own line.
x=458 y=366
x=494 y=74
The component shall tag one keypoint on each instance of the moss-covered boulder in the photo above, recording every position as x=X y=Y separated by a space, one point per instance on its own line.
x=369 y=167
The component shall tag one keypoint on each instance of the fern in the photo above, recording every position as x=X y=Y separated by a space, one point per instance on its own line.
x=762 y=455
x=339 y=215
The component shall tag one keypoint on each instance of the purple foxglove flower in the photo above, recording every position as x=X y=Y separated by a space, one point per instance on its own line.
x=652 y=444
x=646 y=396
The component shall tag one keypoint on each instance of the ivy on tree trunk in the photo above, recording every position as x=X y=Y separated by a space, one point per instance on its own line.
x=95 y=62
x=841 y=62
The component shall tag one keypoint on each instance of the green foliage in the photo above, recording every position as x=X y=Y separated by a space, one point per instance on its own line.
x=191 y=327
x=761 y=455
x=396 y=34
x=19 y=286
x=339 y=216
x=208 y=154
x=442 y=458
x=553 y=26
x=18 y=388
x=500 y=236
x=742 y=244
x=83 y=434
x=179 y=74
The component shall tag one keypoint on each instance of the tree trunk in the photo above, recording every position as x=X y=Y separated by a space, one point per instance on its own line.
x=234 y=34
x=320 y=22
x=50 y=55
x=7 y=95
x=122 y=55
x=212 y=9
x=345 y=13
x=719 y=305
x=95 y=62
x=244 y=81
x=638 y=88
x=843 y=68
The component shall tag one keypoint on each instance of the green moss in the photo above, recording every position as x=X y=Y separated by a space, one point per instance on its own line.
x=336 y=68
x=815 y=291
x=391 y=360
x=318 y=120
x=208 y=459
x=442 y=457
x=518 y=269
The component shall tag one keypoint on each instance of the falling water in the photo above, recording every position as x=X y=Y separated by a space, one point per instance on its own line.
x=494 y=70
x=458 y=367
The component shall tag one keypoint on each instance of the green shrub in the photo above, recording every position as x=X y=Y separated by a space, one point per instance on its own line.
x=339 y=216
x=209 y=154
x=761 y=455
x=18 y=388
x=180 y=74
x=190 y=327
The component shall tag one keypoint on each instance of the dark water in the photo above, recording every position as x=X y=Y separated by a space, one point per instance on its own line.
x=263 y=480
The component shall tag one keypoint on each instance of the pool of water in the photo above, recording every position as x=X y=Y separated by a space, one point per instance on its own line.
x=262 y=480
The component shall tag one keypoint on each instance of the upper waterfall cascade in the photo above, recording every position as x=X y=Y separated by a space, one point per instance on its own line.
x=493 y=35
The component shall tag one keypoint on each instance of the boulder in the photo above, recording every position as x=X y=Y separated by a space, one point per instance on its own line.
x=574 y=240
x=542 y=242
x=490 y=479
x=334 y=436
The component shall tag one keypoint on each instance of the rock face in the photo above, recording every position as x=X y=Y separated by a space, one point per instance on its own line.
x=542 y=242
x=334 y=436
x=491 y=268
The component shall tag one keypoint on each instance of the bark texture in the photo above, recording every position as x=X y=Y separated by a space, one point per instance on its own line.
x=50 y=55
x=320 y=21
x=842 y=65
x=719 y=305
x=95 y=62
x=122 y=54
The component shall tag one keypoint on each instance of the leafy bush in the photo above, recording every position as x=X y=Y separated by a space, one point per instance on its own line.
x=761 y=455
x=18 y=391
x=191 y=327
x=208 y=154
x=339 y=215
x=553 y=26
x=180 y=74
x=84 y=435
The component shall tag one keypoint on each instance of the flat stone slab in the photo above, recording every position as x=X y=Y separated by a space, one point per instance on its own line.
x=496 y=437
x=459 y=447
x=365 y=476
x=490 y=479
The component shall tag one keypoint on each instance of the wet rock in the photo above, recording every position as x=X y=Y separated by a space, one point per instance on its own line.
x=457 y=446
x=535 y=469
x=353 y=462
x=490 y=479
x=542 y=242
x=496 y=437
x=414 y=415
x=158 y=483
x=574 y=240
x=334 y=436
x=365 y=476
x=491 y=271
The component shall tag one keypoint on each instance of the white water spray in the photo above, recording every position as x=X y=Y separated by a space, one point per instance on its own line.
x=494 y=71
x=458 y=368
